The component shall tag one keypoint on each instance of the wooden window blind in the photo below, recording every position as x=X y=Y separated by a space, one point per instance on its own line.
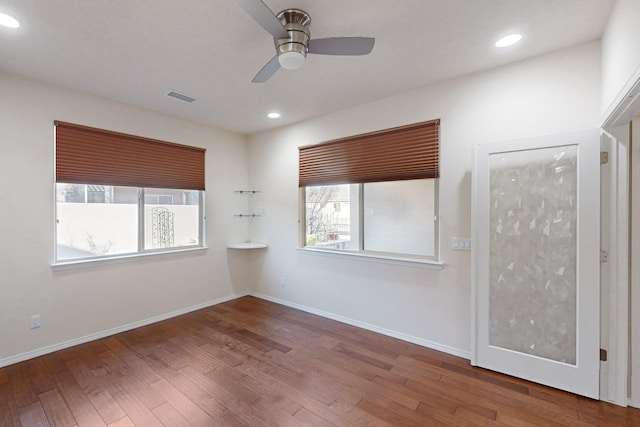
x=406 y=152
x=86 y=155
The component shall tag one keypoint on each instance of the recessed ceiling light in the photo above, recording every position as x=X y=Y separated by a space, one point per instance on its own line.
x=273 y=115
x=508 y=40
x=8 y=21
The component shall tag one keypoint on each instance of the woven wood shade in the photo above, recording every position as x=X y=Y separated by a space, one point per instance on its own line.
x=86 y=155
x=406 y=152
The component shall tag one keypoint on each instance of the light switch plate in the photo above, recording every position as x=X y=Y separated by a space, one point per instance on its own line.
x=461 y=244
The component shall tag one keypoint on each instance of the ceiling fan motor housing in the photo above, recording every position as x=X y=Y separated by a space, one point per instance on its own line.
x=293 y=49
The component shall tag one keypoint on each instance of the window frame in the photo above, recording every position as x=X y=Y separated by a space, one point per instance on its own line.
x=87 y=156
x=141 y=251
x=401 y=153
x=361 y=252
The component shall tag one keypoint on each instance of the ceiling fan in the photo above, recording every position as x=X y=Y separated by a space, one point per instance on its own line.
x=292 y=38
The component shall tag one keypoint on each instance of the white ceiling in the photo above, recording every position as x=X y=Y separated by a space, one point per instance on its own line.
x=135 y=51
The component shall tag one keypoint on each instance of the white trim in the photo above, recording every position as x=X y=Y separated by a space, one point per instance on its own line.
x=98 y=335
x=606 y=331
x=622 y=265
x=625 y=105
x=634 y=302
x=92 y=337
x=141 y=214
x=119 y=259
x=617 y=141
x=342 y=319
x=380 y=259
x=474 y=256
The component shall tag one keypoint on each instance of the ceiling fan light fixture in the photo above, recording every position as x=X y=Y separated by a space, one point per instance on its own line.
x=291 y=60
x=292 y=39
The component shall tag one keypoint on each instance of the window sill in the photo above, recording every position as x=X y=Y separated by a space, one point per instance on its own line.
x=380 y=259
x=119 y=259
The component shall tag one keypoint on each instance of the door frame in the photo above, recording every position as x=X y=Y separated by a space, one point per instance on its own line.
x=634 y=294
x=615 y=279
x=622 y=111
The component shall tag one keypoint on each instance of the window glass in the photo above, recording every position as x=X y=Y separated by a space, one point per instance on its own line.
x=330 y=220
x=391 y=217
x=171 y=218
x=95 y=220
x=96 y=194
x=399 y=217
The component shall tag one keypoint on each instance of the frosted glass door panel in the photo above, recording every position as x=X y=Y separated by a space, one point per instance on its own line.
x=536 y=252
x=533 y=246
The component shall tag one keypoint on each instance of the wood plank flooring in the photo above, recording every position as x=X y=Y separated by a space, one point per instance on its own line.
x=249 y=362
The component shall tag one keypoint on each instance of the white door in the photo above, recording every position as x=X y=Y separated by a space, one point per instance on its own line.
x=536 y=222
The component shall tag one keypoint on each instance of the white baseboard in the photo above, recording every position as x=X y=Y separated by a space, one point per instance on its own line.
x=367 y=326
x=92 y=337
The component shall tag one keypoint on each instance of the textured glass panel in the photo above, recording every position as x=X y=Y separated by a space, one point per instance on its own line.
x=532 y=269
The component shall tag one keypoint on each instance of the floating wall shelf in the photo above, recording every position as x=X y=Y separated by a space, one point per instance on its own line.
x=247 y=191
x=247 y=245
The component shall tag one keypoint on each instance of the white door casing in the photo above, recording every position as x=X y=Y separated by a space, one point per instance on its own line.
x=615 y=272
x=535 y=293
x=634 y=398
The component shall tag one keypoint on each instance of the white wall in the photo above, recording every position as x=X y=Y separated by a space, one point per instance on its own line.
x=620 y=52
x=89 y=300
x=551 y=93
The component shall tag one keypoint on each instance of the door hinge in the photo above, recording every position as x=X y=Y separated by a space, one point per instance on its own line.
x=603 y=355
x=604 y=256
x=604 y=157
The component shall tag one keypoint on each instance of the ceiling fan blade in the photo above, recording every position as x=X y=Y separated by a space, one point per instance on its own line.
x=267 y=71
x=265 y=17
x=342 y=46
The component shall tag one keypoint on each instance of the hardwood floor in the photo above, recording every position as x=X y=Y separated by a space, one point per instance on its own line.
x=249 y=362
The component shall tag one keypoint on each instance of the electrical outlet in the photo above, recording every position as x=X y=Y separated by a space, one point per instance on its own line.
x=35 y=321
x=283 y=282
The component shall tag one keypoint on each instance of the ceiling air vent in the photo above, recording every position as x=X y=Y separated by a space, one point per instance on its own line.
x=182 y=96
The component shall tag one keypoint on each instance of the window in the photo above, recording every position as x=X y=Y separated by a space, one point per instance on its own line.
x=374 y=193
x=399 y=217
x=85 y=229
x=329 y=222
x=100 y=212
x=171 y=218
